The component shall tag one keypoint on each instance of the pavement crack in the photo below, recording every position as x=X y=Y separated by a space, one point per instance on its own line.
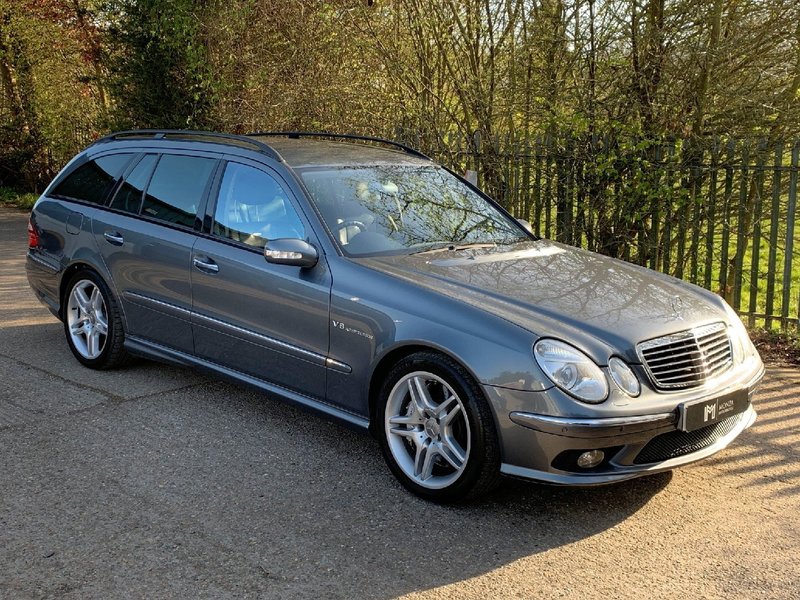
x=78 y=384
x=108 y=398
x=188 y=386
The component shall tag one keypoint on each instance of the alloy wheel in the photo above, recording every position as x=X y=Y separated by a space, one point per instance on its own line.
x=87 y=319
x=427 y=430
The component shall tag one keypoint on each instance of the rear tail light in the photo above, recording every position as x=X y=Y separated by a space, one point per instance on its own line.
x=33 y=235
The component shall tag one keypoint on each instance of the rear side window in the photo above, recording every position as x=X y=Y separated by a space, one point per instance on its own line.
x=92 y=181
x=129 y=196
x=177 y=187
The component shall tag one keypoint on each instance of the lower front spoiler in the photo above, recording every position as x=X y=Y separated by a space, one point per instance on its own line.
x=615 y=472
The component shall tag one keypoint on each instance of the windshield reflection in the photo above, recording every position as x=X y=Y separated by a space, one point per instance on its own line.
x=393 y=209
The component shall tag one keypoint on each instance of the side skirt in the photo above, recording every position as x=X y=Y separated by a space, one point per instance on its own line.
x=160 y=353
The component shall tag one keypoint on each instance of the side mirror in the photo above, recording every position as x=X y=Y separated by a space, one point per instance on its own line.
x=291 y=251
x=526 y=225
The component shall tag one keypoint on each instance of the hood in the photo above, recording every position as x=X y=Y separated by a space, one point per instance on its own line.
x=604 y=305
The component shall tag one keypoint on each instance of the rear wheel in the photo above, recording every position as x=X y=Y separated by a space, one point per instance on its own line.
x=92 y=322
x=438 y=436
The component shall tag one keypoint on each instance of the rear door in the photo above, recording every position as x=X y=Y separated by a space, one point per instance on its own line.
x=269 y=321
x=146 y=238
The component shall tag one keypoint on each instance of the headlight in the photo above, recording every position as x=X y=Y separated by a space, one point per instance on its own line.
x=624 y=376
x=740 y=340
x=571 y=370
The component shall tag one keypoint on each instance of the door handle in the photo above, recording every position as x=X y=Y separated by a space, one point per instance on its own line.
x=114 y=237
x=206 y=265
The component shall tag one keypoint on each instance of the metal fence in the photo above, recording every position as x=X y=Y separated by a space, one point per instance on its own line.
x=721 y=213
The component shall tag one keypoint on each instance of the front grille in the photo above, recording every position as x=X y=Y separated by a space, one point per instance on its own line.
x=680 y=443
x=688 y=358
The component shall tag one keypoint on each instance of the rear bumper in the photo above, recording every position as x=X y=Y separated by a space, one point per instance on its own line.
x=44 y=277
x=545 y=447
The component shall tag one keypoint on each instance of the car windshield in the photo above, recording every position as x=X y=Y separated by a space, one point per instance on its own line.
x=401 y=209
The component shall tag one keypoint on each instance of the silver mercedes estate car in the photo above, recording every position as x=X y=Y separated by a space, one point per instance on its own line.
x=358 y=278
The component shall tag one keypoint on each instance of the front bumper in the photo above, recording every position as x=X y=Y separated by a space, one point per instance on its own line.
x=544 y=447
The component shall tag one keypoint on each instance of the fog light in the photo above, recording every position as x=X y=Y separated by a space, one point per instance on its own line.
x=590 y=459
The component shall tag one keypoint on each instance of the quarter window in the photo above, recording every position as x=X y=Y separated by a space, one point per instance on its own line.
x=177 y=187
x=253 y=208
x=129 y=195
x=92 y=181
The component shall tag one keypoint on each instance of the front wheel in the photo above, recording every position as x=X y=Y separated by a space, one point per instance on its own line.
x=438 y=436
x=92 y=322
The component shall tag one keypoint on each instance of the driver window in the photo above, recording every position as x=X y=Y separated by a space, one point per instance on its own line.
x=252 y=208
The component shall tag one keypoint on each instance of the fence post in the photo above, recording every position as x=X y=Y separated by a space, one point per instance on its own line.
x=711 y=226
x=773 y=236
x=580 y=195
x=697 y=155
x=526 y=177
x=755 y=251
x=548 y=195
x=790 y=223
x=668 y=212
x=655 y=221
x=738 y=258
x=476 y=156
x=569 y=188
x=726 y=220
x=537 y=197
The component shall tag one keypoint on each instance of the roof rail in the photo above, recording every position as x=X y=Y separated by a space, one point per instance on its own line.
x=213 y=136
x=340 y=136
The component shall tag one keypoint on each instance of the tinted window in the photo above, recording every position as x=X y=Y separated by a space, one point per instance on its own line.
x=92 y=181
x=176 y=188
x=129 y=195
x=253 y=208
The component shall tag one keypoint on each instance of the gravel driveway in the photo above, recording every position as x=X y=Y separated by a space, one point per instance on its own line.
x=155 y=482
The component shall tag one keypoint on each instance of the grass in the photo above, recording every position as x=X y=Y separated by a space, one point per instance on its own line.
x=758 y=288
x=11 y=197
x=765 y=271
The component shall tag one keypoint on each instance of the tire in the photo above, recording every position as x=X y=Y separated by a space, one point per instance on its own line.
x=436 y=429
x=93 y=323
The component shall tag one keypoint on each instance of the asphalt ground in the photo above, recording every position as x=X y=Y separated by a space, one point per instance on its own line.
x=155 y=482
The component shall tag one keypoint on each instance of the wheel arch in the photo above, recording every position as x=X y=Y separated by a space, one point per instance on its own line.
x=394 y=355
x=68 y=274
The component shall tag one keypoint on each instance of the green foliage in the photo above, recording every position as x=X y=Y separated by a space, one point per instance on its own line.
x=16 y=154
x=48 y=88
x=12 y=197
x=160 y=74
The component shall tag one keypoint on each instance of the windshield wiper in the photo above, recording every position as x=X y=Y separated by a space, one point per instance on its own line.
x=455 y=247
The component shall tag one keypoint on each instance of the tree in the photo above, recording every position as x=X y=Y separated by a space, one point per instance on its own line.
x=158 y=60
x=48 y=100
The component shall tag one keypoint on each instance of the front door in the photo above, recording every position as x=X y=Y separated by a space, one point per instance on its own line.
x=268 y=321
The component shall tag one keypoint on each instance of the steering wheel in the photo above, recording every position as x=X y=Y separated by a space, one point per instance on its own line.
x=350 y=223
